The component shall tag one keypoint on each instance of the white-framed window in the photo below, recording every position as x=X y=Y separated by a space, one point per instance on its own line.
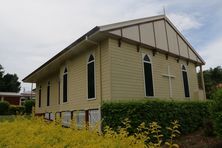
x=185 y=81
x=94 y=118
x=148 y=76
x=52 y=116
x=91 y=90
x=47 y=116
x=66 y=118
x=65 y=85
x=80 y=117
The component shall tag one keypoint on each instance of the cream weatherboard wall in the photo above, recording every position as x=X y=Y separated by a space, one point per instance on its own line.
x=120 y=70
x=77 y=82
x=127 y=78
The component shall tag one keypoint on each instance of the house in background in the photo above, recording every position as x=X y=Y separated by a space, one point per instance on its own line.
x=14 y=98
x=145 y=58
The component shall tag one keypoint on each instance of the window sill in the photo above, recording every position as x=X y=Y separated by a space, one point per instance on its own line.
x=149 y=97
x=91 y=99
x=63 y=103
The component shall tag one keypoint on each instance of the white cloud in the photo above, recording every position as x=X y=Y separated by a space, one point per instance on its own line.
x=184 y=21
x=212 y=53
x=31 y=32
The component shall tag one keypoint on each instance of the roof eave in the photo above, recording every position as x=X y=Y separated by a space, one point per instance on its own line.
x=82 y=38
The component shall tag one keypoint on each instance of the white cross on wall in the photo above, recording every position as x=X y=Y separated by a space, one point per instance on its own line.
x=170 y=77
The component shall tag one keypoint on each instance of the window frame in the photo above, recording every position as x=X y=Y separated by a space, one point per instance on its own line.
x=40 y=97
x=48 y=94
x=88 y=62
x=144 y=83
x=183 y=65
x=65 y=72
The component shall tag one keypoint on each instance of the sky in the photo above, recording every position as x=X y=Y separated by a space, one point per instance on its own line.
x=33 y=31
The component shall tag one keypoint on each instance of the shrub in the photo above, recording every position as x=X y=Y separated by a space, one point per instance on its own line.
x=51 y=134
x=189 y=114
x=4 y=108
x=208 y=127
x=16 y=110
x=216 y=112
x=28 y=106
x=218 y=123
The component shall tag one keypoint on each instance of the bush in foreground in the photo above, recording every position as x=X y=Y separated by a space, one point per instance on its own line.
x=38 y=133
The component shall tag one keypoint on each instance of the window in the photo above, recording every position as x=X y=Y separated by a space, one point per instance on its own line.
x=65 y=75
x=66 y=118
x=80 y=118
x=94 y=117
x=52 y=116
x=48 y=94
x=47 y=116
x=185 y=81
x=91 y=77
x=59 y=91
x=148 y=76
x=40 y=96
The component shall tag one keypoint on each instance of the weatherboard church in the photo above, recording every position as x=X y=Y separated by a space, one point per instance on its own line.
x=145 y=58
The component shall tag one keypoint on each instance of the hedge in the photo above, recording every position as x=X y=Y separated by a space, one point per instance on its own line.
x=16 y=110
x=216 y=112
x=190 y=114
x=4 y=107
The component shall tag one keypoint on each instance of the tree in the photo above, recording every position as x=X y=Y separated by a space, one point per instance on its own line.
x=212 y=77
x=8 y=82
x=1 y=71
x=28 y=106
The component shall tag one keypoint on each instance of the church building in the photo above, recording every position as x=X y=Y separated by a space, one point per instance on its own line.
x=145 y=58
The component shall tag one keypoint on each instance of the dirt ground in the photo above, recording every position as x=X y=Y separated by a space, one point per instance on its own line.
x=199 y=140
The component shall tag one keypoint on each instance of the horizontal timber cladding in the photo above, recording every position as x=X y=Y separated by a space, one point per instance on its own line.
x=77 y=82
x=127 y=78
x=54 y=87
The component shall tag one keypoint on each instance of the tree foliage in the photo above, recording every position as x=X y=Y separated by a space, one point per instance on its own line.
x=212 y=77
x=8 y=82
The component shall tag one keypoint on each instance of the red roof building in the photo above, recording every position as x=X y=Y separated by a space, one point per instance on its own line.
x=11 y=97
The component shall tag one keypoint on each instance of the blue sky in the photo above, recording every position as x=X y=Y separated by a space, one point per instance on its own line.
x=31 y=32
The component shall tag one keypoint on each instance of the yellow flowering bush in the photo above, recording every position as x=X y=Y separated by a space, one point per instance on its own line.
x=37 y=133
